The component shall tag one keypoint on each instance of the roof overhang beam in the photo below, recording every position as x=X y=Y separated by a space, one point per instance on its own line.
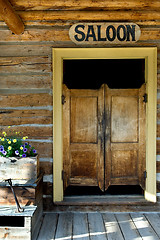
x=10 y=17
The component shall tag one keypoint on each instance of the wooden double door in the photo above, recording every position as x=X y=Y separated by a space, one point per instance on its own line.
x=104 y=137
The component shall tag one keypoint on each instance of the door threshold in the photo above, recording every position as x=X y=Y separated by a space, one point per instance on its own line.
x=97 y=200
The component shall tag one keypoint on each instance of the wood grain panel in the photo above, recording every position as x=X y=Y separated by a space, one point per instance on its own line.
x=26 y=196
x=32 y=131
x=158 y=166
x=26 y=50
x=158 y=80
x=11 y=81
x=84 y=161
x=158 y=147
x=125 y=159
x=158 y=187
x=40 y=24
x=124 y=163
x=124 y=119
x=5 y=61
x=47 y=188
x=83 y=119
x=20 y=117
x=92 y=16
x=39 y=64
x=158 y=130
x=29 y=100
x=46 y=168
x=44 y=149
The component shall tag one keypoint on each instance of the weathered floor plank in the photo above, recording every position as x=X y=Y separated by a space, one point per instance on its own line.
x=143 y=226
x=48 y=228
x=80 y=226
x=64 y=226
x=96 y=227
x=154 y=220
x=127 y=227
x=112 y=227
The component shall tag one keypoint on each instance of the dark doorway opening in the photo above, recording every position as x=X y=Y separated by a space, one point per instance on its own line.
x=92 y=73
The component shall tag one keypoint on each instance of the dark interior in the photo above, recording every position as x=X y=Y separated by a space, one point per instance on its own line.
x=92 y=73
x=112 y=190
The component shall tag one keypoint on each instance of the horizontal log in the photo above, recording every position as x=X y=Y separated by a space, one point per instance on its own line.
x=20 y=117
x=48 y=204
x=38 y=64
x=36 y=35
x=4 y=61
x=158 y=187
x=85 y=4
x=158 y=130
x=46 y=168
x=16 y=49
x=26 y=81
x=26 y=50
x=25 y=100
x=158 y=81
x=40 y=24
x=89 y=15
x=36 y=68
x=61 y=35
x=42 y=132
x=47 y=188
x=158 y=166
x=158 y=147
x=44 y=149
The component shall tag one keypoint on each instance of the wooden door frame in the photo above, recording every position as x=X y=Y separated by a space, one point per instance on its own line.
x=150 y=56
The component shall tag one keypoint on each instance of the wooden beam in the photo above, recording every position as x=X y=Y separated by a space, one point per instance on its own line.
x=10 y=17
x=86 y=5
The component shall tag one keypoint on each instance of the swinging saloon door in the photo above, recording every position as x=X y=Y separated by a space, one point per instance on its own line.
x=104 y=137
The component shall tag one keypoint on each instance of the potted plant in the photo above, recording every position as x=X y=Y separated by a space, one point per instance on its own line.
x=18 y=159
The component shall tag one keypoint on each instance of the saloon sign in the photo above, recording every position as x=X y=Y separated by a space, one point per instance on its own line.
x=104 y=33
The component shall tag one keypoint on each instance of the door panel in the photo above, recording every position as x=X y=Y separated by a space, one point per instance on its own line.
x=124 y=119
x=84 y=122
x=83 y=140
x=124 y=163
x=125 y=136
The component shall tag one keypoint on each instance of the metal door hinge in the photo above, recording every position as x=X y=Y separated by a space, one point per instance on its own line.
x=62 y=174
x=145 y=174
x=145 y=98
x=63 y=99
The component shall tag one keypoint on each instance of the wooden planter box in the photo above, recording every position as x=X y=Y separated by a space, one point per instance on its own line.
x=30 y=193
x=19 y=169
x=22 y=226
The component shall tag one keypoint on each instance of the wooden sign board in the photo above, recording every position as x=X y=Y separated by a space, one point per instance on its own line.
x=104 y=33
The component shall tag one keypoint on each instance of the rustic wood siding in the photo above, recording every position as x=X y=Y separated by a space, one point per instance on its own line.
x=26 y=63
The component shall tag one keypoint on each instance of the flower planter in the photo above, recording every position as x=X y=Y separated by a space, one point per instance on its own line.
x=19 y=168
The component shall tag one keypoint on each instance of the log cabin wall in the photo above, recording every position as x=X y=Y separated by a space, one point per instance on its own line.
x=26 y=63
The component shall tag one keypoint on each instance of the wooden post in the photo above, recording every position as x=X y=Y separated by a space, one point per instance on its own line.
x=8 y=14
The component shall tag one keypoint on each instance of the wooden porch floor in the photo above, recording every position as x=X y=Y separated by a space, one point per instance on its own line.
x=100 y=226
